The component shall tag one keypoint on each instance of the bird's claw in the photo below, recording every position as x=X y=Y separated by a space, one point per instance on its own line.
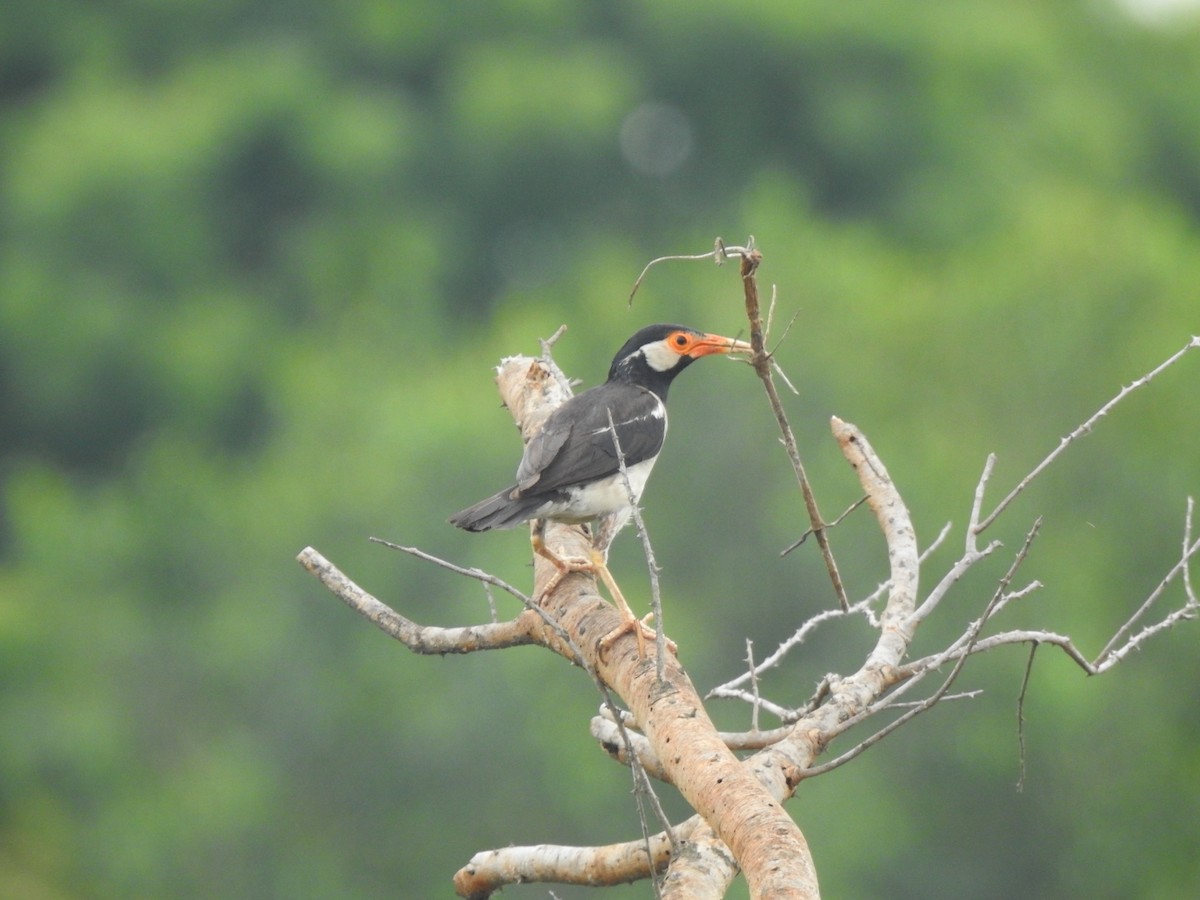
x=641 y=629
x=565 y=567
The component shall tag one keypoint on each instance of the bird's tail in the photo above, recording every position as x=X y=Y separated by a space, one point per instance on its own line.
x=500 y=510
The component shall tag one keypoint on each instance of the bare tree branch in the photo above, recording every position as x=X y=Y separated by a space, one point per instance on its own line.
x=834 y=524
x=1111 y=654
x=425 y=639
x=490 y=870
x=1084 y=429
x=761 y=361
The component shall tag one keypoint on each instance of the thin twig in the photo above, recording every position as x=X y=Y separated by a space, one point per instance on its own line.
x=1187 y=570
x=1021 y=716
x=761 y=361
x=779 y=711
x=547 y=358
x=728 y=690
x=472 y=572
x=754 y=707
x=957 y=571
x=424 y=639
x=1189 y=550
x=491 y=602
x=1084 y=429
x=719 y=254
x=977 y=503
x=1110 y=656
x=834 y=524
x=660 y=638
x=643 y=790
x=786 y=329
x=918 y=668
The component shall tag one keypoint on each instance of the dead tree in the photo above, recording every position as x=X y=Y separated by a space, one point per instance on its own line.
x=661 y=728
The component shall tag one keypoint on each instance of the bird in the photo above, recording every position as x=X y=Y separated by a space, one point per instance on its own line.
x=571 y=469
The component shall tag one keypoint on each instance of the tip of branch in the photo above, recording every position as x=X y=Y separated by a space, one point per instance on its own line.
x=750 y=262
x=549 y=342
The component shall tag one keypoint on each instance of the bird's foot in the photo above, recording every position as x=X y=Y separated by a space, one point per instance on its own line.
x=565 y=567
x=642 y=629
x=596 y=564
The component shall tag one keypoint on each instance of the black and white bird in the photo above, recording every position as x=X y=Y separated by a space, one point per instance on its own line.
x=571 y=470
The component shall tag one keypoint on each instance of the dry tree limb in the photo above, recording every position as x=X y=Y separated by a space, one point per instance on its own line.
x=741 y=824
x=761 y=361
x=424 y=639
x=491 y=870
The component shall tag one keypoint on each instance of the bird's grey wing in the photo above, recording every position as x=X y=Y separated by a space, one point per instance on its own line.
x=590 y=453
x=541 y=451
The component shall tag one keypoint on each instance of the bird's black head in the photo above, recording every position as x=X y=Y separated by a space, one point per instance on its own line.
x=657 y=353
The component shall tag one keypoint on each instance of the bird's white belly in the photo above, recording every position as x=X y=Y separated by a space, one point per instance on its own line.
x=600 y=498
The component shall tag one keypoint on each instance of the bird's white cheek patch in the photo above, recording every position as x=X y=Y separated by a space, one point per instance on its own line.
x=660 y=357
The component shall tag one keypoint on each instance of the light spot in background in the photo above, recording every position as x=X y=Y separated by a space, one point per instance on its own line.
x=1161 y=12
x=656 y=139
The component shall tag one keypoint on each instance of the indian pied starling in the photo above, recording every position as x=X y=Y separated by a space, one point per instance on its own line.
x=571 y=468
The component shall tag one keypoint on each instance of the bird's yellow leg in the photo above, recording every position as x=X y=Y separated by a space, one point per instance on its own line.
x=640 y=627
x=564 y=566
x=596 y=565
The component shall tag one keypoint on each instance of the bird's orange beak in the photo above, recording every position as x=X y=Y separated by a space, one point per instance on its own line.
x=714 y=343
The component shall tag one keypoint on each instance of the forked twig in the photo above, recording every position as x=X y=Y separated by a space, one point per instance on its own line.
x=1112 y=654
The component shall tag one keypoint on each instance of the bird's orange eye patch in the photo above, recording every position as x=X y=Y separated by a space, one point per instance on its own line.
x=680 y=341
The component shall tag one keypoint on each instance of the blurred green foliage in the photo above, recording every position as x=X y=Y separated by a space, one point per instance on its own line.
x=257 y=259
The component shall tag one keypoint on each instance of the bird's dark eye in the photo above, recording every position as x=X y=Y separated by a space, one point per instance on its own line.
x=681 y=340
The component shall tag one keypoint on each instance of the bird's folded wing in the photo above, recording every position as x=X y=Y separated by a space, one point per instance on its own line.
x=575 y=445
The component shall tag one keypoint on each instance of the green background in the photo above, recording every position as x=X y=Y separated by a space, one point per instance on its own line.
x=257 y=261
